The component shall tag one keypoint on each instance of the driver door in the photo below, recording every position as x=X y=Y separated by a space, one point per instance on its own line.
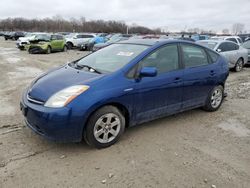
x=160 y=95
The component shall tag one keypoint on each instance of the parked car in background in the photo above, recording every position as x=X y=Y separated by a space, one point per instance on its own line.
x=197 y=37
x=63 y=33
x=75 y=40
x=115 y=38
x=186 y=38
x=236 y=55
x=47 y=43
x=122 y=85
x=234 y=39
x=14 y=35
x=24 y=41
x=89 y=44
x=244 y=37
x=247 y=46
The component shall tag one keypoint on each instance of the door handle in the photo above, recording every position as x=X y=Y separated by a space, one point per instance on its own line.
x=177 y=79
x=212 y=73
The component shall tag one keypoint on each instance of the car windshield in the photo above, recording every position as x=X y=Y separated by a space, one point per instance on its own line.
x=208 y=44
x=112 y=58
x=44 y=37
x=29 y=34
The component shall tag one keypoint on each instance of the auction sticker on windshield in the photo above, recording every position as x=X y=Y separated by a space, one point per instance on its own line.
x=128 y=54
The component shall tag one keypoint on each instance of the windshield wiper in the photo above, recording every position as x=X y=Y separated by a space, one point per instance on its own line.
x=90 y=69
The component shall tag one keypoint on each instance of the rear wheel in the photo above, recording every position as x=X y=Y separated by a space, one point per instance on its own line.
x=214 y=99
x=104 y=127
x=70 y=45
x=239 y=65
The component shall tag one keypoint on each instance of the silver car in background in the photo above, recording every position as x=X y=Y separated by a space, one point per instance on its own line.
x=247 y=46
x=236 y=55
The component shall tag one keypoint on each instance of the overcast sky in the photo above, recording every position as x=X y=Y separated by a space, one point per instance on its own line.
x=171 y=14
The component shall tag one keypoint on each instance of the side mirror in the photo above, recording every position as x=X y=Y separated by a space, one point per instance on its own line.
x=219 y=50
x=148 y=72
x=74 y=37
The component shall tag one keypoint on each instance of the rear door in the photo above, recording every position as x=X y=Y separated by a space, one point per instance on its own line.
x=61 y=42
x=54 y=42
x=199 y=75
x=229 y=51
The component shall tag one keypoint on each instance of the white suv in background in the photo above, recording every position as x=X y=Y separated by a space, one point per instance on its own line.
x=77 y=39
x=235 y=39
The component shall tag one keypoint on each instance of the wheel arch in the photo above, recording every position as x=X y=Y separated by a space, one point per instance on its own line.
x=121 y=107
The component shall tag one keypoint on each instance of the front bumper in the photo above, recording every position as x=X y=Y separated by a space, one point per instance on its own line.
x=56 y=124
x=36 y=49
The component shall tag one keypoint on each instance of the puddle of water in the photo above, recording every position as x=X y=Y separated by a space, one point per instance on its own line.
x=235 y=127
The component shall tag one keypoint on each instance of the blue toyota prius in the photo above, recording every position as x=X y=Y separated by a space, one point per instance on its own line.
x=122 y=85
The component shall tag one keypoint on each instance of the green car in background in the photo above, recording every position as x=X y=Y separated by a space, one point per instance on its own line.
x=47 y=43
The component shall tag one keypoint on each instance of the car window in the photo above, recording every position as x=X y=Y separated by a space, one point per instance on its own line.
x=232 y=46
x=240 y=41
x=85 y=36
x=59 y=37
x=164 y=59
x=233 y=40
x=236 y=46
x=193 y=56
x=214 y=56
x=53 y=37
x=227 y=46
x=208 y=44
x=246 y=45
x=112 y=57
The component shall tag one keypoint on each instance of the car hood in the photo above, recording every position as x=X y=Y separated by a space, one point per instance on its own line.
x=53 y=81
x=26 y=38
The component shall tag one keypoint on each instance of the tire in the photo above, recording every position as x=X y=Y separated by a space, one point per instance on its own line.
x=239 y=65
x=65 y=48
x=214 y=99
x=70 y=45
x=99 y=132
x=48 y=50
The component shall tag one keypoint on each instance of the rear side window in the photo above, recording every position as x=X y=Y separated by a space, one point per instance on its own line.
x=213 y=56
x=227 y=46
x=193 y=56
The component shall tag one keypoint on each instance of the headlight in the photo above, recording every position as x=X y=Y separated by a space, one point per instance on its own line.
x=65 y=96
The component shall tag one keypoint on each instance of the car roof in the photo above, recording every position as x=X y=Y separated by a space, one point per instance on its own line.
x=150 y=42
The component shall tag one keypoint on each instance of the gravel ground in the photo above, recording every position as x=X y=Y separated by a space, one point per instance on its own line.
x=191 y=149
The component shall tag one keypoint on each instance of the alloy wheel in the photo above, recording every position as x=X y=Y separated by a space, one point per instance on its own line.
x=107 y=127
x=216 y=98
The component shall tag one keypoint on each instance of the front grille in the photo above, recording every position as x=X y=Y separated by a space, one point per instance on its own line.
x=35 y=101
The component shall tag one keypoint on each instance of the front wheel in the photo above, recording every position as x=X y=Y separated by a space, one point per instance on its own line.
x=104 y=127
x=65 y=48
x=214 y=99
x=48 y=50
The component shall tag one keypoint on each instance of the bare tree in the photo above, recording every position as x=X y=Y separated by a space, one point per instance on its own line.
x=58 y=23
